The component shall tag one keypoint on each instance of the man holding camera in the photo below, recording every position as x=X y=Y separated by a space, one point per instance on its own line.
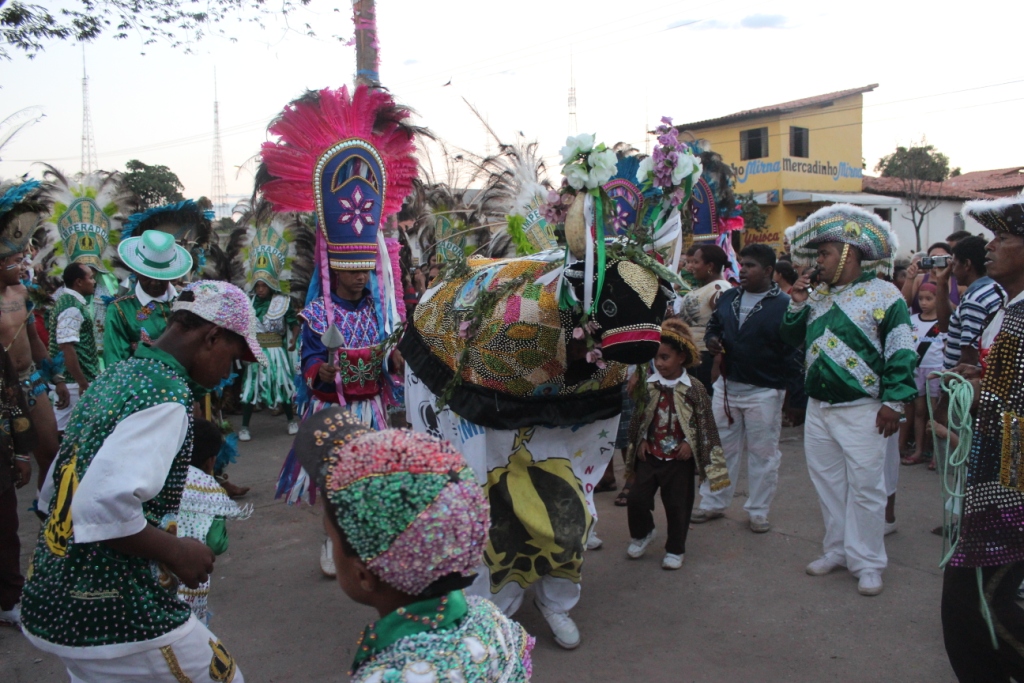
x=981 y=300
x=860 y=371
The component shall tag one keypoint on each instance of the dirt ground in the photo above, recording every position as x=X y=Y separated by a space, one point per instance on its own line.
x=741 y=608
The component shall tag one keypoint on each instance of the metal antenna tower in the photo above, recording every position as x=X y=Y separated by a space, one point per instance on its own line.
x=573 y=128
x=89 y=162
x=219 y=190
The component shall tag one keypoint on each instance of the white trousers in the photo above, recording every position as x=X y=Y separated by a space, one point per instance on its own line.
x=756 y=425
x=559 y=595
x=892 y=464
x=197 y=657
x=63 y=415
x=846 y=460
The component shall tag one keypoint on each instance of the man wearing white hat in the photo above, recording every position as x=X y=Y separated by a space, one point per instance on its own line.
x=141 y=316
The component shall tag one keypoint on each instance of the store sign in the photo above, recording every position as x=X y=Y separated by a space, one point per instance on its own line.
x=787 y=165
x=769 y=237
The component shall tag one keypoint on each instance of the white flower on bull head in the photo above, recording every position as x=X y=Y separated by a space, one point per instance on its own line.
x=574 y=146
x=575 y=175
x=687 y=165
x=645 y=169
x=602 y=167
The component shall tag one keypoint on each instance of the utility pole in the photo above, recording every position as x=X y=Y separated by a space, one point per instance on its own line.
x=364 y=18
x=219 y=190
x=89 y=162
x=573 y=127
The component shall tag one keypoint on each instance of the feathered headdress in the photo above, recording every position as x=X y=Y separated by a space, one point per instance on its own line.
x=269 y=256
x=348 y=159
x=872 y=236
x=999 y=215
x=22 y=204
x=85 y=222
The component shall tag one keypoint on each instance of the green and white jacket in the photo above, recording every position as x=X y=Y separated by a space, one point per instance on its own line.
x=858 y=340
x=122 y=465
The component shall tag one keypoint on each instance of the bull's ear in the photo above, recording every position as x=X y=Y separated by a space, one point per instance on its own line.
x=640 y=280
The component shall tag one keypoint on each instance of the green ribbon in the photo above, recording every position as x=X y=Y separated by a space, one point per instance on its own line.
x=393 y=627
x=599 y=239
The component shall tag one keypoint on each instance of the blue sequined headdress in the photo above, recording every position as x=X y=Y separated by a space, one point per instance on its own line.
x=20 y=206
x=872 y=236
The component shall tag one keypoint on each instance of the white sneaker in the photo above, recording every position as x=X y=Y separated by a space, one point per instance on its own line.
x=890 y=528
x=562 y=626
x=244 y=435
x=293 y=428
x=327 y=559
x=593 y=542
x=11 y=616
x=759 y=524
x=672 y=561
x=825 y=564
x=870 y=582
x=638 y=546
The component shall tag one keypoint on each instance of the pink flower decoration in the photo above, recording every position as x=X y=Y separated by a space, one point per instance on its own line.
x=464 y=328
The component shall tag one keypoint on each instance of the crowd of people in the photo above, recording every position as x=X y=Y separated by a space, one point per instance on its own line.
x=134 y=506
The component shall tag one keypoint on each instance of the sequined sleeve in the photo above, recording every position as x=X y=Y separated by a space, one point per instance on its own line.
x=897 y=338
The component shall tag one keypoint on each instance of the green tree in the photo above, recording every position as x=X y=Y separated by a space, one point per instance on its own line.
x=920 y=162
x=920 y=169
x=28 y=28
x=152 y=185
x=753 y=217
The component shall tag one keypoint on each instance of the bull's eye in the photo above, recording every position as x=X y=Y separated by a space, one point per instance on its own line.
x=609 y=308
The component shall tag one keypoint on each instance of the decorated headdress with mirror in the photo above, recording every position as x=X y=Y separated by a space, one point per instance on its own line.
x=347 y=158
x=22 y=205
x=268 y=257
x=84 y=224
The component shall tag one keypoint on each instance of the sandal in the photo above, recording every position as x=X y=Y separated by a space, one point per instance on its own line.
x=622 y=500
x=603 y=486
x=913 y=460
x=931 y=464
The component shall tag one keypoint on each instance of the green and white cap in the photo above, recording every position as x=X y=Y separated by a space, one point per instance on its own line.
x=155 y=255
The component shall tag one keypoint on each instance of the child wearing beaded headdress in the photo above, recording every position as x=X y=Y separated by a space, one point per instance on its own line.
x=677 y=440
x=409 y=524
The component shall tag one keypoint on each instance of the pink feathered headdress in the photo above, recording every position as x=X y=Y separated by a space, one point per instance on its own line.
x=310 y=126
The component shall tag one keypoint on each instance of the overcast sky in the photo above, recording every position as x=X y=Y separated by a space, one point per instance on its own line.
x=953 y=75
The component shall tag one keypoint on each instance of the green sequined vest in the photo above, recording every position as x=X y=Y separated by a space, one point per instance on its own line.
x=85 y=348
x=84 y=595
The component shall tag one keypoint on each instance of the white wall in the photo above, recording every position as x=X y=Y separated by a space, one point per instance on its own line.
x=937 y=225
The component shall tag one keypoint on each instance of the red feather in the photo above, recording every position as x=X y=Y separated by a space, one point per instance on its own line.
x=310 y=126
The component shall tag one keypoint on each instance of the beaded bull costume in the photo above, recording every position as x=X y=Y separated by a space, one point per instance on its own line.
x=348 y=158
x=520 y=364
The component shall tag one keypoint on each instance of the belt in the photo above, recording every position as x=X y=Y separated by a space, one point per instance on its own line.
x=269 y=340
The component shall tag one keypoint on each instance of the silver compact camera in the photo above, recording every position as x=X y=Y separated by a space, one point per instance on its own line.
x=929 y=262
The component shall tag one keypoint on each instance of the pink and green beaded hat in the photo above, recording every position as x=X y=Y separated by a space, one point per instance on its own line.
x=224 y=305
x=411 y=508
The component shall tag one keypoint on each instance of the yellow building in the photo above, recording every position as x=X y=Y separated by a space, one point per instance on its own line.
x=795 y=157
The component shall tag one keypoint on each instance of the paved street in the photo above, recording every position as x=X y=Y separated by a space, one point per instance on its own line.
x=741 y=608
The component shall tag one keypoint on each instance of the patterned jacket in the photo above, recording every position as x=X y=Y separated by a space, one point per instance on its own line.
x=693 y=408
x=859 y=343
